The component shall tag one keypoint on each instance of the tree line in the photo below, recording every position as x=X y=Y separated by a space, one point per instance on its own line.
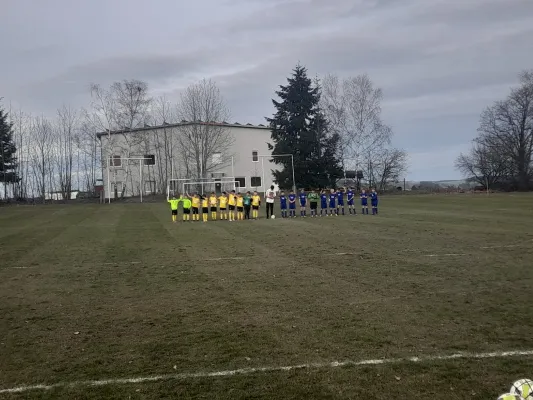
x=330 y=126
x=501 y=155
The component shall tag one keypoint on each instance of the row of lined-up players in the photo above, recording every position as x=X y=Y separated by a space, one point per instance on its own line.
x=331 y=202
x=239 y=205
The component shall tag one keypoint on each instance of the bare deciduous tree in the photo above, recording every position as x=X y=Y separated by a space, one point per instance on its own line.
x=41 y=155
x=483 y=165
x=163 y=112
x=353 y=109
x=123 y=107
x=88 y=155
x=204 y=146
x=503 y=149
x=66 y=130
x=388 y=166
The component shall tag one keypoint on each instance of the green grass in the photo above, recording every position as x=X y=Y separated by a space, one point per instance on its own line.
x=146 y=300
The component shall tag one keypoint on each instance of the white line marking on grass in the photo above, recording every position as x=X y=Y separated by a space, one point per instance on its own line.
x=225 y=258
x=20 y=267
x=445 y=255
x=343 y=254
x=247 y=371
x=122 y=262
x=501 y=247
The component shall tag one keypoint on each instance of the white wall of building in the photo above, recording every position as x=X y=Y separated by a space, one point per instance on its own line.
x=247 y=139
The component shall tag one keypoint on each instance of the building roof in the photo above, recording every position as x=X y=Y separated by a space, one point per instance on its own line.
x=147 y=127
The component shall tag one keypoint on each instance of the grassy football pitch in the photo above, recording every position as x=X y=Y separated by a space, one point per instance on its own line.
x=104 y=292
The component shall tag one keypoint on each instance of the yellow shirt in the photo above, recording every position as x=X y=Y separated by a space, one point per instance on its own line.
x=255 y=200
x=213 y=201
x=204 y=202
x=223 y=200
x=174 y=204
x=196 y=202
x=240 y=202
x=231 y=200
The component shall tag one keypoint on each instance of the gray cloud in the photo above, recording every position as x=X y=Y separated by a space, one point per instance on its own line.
x=439 y=62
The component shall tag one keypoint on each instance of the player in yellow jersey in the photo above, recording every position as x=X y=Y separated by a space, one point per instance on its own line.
x=195 y=207
x=205 y=207
x=231 y=205
x=174 y=202
x=187 y=204
x=223 y=202
x=256 y=202
x=240 y=207
x=213 y=205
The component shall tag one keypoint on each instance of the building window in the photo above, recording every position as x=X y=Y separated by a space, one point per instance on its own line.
x=255 y=156
x=116 y=161
x=240 y=182
x=149 y=159
x=216 y=159
x=256 y=181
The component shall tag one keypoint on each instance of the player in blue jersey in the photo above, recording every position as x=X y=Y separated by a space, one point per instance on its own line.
x=292 y=204
x=332 y=201
x=303 y=203
x=340 y=201
x=374 y=201
x=323 y=203
x=364 y=202
x=350 y=196
x=283 y=204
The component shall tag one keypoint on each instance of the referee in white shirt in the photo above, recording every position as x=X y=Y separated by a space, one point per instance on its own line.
x=270 y=194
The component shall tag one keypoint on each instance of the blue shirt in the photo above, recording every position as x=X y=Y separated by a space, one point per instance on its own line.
x=303 y=198
x=283 y=201
x=324 y=199
x=340 y=197
x=374 y=197
x=332 y=198
x=350 y=195
x=363 y=196
x=292 y=198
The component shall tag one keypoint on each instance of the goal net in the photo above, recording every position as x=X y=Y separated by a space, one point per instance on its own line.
x=187 y=185
x=206 y=187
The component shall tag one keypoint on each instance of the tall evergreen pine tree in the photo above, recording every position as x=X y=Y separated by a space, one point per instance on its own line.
x=7 y=151
x=300 y=129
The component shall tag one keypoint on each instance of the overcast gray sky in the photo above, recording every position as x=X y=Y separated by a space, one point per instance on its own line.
x=439 y=62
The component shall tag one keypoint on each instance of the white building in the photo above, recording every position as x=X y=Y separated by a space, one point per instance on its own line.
x=150 y=157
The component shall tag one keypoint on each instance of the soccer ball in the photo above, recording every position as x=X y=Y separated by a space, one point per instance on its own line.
x=273 y=217
x=509 y=396
x=523 y=388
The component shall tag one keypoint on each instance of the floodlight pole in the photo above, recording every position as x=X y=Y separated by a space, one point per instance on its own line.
x=109 y=179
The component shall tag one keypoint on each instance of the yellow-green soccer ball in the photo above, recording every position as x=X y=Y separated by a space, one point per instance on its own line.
x=523 y=388
x=509 y=396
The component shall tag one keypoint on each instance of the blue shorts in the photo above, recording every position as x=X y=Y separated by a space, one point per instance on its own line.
x=283 y=206
x=331 y=205
x=364 y=202
x=302 y=203
x=340 y=204
x=350 y=202
x=374 y=203
x=323 y=205
x=292 y=206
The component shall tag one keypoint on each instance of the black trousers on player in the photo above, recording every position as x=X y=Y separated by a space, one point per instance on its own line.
x=270 y=209
x=247 y=211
